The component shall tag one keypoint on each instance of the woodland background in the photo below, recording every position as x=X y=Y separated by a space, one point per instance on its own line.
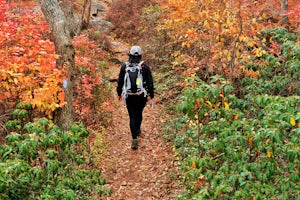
x=227 y=71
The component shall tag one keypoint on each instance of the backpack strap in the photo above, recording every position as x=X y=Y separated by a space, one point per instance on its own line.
x=124 y=91
x=141 y=66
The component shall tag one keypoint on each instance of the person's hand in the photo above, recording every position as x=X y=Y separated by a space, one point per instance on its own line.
x=151 y=101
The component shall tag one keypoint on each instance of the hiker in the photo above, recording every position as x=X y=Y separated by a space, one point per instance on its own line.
x=135 y=85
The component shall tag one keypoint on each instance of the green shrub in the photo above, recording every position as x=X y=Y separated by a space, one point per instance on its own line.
x=235 y=148
x=39 y=161
x=279 y=67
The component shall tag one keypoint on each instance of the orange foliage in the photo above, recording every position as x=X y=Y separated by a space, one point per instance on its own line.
x=28 y=70
x=220 y=36
x=126 y=16
x=251 y=73
x=87 y=79
x=28 y=63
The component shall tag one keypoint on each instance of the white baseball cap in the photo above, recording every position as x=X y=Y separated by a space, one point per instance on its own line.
x=135 y=51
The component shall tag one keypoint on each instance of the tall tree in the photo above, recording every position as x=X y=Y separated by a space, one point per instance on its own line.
x=86 y=14
x=65 y=49
x=284 y=13
x=67 y=7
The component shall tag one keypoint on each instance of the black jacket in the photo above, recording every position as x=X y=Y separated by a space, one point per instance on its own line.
x=147 y=79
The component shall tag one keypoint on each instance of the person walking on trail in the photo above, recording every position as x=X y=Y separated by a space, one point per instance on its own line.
x=135 y=85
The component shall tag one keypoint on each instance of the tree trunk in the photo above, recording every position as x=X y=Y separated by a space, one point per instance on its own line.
x=86 y=14
x=67 y=7
x=284 y=11
x=64 y=48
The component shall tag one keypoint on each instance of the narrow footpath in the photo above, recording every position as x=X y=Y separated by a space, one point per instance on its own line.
x=146 y=173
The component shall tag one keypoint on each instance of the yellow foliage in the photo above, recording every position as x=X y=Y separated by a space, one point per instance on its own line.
x=226 y=105
x=223 y=30
x=206 y=24
x=269 y=154
x=292 y=121
x=229 y=57
x=218 y=105
x=209 y=103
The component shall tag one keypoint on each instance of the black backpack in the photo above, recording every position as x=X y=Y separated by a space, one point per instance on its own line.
x=133 y=80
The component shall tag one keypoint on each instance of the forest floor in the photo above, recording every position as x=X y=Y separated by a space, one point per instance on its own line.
x=146 y=173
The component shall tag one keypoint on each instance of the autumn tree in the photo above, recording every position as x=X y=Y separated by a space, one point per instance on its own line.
x=68 y=7
x=86 y=14
x=284 y=9
x=217 y=37
x=28 y=70
x=64 y=48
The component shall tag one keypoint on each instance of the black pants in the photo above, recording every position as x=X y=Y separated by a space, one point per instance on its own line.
x=135 y=106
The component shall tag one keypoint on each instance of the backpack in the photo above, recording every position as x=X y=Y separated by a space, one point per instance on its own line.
x=133 y=80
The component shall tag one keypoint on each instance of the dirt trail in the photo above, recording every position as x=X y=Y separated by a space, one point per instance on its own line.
x=144 y=173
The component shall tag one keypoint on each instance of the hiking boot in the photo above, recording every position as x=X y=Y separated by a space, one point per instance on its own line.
x=134 y=145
